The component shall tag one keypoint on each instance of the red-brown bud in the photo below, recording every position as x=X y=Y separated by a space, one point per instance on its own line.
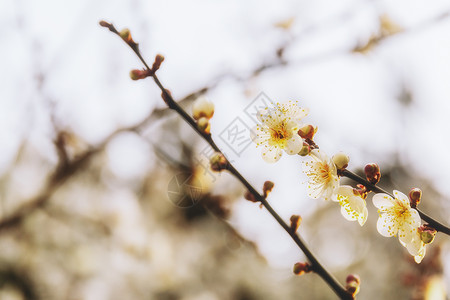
x=167 y=95
x=373 y=174
x=301 y=268
x=104 y=24
x=353 y=277
x=250 y=197
x=157 y=63
x=353 y=284
x=295 y=222
x=307 y=132
x=414 y=197
x=267 y=188
x=139 y=74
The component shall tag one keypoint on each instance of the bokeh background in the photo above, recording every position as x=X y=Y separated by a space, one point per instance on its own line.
x=105 y=194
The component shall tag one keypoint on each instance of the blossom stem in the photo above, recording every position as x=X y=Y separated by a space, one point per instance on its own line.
x=315 y=264
x=432 y=222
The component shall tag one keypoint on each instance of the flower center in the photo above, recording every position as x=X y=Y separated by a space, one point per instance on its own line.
x=324 y=172
x=280 y=133
x=321 y=173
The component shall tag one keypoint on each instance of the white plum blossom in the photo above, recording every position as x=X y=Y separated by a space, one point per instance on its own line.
x=279 y=130
x=398 y=218
x=322 y=174
x=353 y=206
x=416 y=248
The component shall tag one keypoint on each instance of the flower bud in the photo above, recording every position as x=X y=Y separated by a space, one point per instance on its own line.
x=306 y=149
x=341 y=160
x=218 y=162
x=307 y=132
x=267 y=188
x=125 y=34
x=373 y=174
x=138 y=74
x=353 y=277
x=301 y=268
x=352 y=288
x=203 y=125
x=104 y=24
x=250 y=197
x=295 y=222
x=167 y=97
x=414 y=197
x=203 y=108
x=353 y=284
x=157 y=63
x=427 y=233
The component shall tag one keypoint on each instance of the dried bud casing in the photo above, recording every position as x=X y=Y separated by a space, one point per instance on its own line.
x=202 y=108
x=218 y=162
x=203 y=125
x=372 y=172
x=267 y=188
x=295 y=222
x=361 y=190
x=307 y=132
x=415 y=195
x=341 y=160
x=301 y=268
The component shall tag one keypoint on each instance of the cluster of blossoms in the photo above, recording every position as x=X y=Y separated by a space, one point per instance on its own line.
x=281 y=128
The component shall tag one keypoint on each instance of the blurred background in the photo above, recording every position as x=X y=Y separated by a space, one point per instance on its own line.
x=105 y=194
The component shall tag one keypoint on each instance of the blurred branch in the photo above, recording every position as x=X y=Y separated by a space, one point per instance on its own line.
x=172 y=104
x=63 y=171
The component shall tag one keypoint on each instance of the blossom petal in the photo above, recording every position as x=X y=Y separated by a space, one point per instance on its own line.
x=330 y=188
x=387 y=225
x=402 y=198
x=363 y=217
x=418 y=258
x=383 y=201
x=294 y=145
x=322 y=173
x=318 y=155
x=406 y=233
x=415 y=217
x=353 y=207
x=292 y=109
x=259 y=135
x=271 y=154
x=414 y=246
x=407 y=230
